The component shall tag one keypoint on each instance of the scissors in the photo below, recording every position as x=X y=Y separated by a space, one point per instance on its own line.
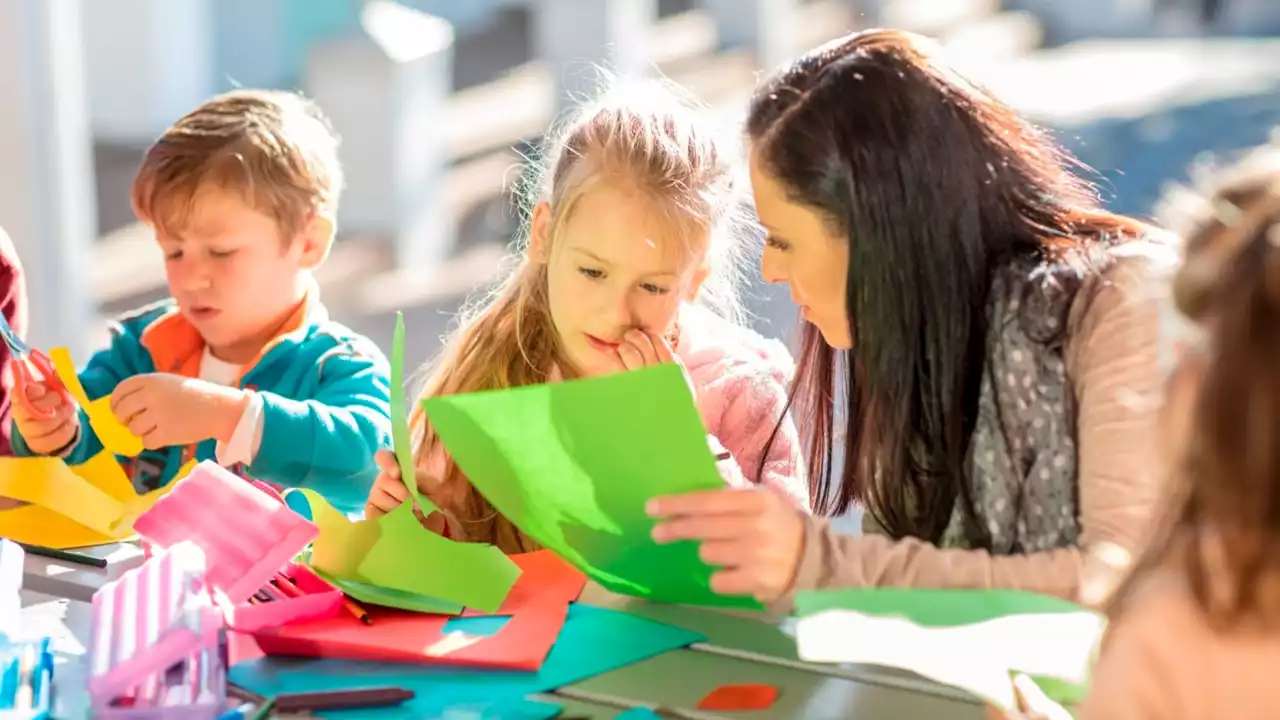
x=27 y=358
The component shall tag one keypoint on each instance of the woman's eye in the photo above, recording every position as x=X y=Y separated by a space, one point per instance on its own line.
x=592 y=273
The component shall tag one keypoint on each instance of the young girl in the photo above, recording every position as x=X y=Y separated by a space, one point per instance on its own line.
x=1195 y=630
x=633 y=258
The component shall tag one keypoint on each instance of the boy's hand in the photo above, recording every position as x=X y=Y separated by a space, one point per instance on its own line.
x=165 y=409
x=44 y=435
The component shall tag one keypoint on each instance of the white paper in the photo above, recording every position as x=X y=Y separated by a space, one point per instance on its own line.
x=978 y=657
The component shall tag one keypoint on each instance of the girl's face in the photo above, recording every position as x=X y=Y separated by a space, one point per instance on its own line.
x=801 y=252
x=614 y=266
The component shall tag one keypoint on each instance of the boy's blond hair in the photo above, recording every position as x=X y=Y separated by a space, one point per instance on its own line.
x=659 y=141
x=277 y=149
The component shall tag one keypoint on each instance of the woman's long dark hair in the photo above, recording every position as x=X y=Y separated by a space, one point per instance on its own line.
x=935 y=184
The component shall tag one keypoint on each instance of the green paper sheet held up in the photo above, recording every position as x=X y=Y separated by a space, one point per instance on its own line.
x=572 y=464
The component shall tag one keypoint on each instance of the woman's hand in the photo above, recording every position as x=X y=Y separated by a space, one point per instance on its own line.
x=754 y=535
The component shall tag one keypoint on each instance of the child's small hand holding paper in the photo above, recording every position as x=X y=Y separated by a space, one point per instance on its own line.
x=165 y=409
x=389 y=491
x=47 y=419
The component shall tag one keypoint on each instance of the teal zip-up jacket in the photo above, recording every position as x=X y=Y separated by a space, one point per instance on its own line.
x=325 y=394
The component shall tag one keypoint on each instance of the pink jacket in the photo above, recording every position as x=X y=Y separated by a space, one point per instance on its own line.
x=741 y=387
x=741 y=381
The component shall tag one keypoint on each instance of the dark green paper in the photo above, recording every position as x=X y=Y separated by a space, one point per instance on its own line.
x=573 y=463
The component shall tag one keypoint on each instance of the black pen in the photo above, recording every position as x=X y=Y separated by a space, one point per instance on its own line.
x=65 y=555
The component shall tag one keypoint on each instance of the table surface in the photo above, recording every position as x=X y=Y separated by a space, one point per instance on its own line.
x=56 y=595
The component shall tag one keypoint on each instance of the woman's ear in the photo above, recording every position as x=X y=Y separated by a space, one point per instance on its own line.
x=540 y=233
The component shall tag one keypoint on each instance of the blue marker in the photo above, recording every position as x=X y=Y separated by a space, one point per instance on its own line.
x=42 y=684
x=8 y=677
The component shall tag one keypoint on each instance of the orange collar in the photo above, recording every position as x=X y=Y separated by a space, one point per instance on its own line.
x=176 y=346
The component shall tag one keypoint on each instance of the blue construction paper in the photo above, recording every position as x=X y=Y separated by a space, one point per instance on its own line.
x=593 y=641
x=639 y=713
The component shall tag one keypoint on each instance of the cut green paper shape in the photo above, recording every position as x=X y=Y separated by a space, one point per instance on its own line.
x=397 y=553
x=400 y=436
x=971 y=639
x=387 y=597
x=572 y=465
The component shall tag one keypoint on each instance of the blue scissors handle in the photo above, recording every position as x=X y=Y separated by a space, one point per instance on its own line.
x=15 y=343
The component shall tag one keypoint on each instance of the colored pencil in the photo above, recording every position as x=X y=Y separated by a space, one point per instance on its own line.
x=286 y=586
x=65 y=555
x=265 y=710
x=354 y=608
x=340 y=699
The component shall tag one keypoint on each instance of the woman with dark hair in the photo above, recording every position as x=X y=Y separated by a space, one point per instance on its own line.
x=979 y=362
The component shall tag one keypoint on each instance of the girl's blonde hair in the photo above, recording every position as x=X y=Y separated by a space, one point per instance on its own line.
x=657 y=140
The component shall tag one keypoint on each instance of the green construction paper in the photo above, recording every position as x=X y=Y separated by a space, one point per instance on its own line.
x=933 y=607
x=387 y=597
x=573 y=463
x=397 y=553
x=975 y=640
x=402 y=442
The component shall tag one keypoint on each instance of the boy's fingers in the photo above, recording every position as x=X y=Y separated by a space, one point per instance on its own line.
x=46 y=430
x=46 y=401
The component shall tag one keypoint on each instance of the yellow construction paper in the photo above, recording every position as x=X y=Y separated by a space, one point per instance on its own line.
x=48 y=482
x=94 y=502
x=115 y=436
x=103 y=471
x=35 y=525
x=396 y=552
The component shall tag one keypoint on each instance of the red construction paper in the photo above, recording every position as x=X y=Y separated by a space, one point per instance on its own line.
x=545 y=579
x=241 y=647
x=740 y=697
x=408 y=637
